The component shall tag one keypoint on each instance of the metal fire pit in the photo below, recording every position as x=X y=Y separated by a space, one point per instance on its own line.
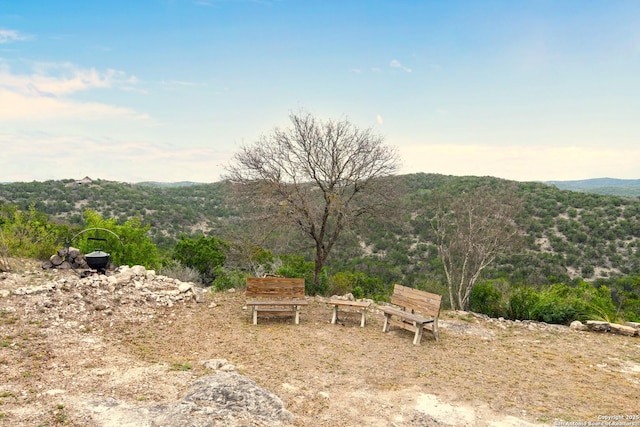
x=97 y=260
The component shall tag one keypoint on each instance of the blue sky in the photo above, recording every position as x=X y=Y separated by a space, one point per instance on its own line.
x=168 y=90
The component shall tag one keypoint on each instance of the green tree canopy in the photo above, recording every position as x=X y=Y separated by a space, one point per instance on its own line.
x=132 y=246
x=204 y=254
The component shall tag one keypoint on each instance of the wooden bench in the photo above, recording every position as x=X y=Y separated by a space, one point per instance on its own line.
x=360 y=306
x=414 y=311
x=275 y=295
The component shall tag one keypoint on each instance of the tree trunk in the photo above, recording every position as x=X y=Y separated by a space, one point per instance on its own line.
x=317 y=269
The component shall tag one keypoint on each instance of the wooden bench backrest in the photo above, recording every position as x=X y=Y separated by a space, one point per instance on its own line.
x=275 y=288
x=413 y=299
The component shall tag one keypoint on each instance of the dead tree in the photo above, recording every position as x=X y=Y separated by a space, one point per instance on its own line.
x=319 y=176
x=472 y=230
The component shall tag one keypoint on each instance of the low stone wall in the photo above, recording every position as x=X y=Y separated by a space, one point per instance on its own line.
x=128 y=293
x=630 y=329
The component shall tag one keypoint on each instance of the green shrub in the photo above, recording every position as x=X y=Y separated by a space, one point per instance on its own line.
x=562 y=304
x=295 y=266
x=625 y=293
x=360 y=284
x=228 y=279
x=29 y=234
x=554 y=308
x=205 y=254
x=486 y=299
x=340 y=284
x=357 y=292
x=132 y=246
x=522 y=303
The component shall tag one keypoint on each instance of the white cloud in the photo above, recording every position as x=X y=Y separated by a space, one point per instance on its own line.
x=61 y=79
x=68 y=156
x=396 y=64
x=379 y=119
x=20 y=106
x=45 y=93
x=9 y=36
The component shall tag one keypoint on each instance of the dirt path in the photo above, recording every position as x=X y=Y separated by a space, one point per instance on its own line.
x=56 y=369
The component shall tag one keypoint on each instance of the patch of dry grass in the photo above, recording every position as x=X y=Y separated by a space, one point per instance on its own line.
x=326 y=374
x=543 y=373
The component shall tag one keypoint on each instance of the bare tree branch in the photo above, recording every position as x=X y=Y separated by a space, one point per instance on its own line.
x=471 y=231
x=320 y=174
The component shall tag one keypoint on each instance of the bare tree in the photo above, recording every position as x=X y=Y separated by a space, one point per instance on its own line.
x=319 y=175
x=471 y=231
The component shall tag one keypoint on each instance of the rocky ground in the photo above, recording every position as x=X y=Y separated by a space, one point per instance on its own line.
x=142 y=350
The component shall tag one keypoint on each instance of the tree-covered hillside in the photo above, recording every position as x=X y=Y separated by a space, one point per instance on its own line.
x=170 y=210
x=574 y=255
x=566 y=234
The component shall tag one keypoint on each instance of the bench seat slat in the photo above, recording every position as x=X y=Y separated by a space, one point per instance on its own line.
x=406 y=315
x=359 y=304
x=279 y=302
x=276 y=310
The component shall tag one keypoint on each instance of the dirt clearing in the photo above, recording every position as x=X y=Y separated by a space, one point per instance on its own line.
x=55 y=363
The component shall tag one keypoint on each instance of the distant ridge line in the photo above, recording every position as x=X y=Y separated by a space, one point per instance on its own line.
x=598 y=182
x=608 y=186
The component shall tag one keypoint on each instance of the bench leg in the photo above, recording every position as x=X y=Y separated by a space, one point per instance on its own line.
x=385 y=326
x=297 y=315
x=418 y=337
x=334 y=318
x=255 y=316
x=363 y=319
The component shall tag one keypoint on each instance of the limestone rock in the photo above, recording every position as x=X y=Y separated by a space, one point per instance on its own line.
x=138 y=270
x=224 y=399
x=217 y=364
x=577 y=325
x=623 y=330
x=598 y=326
x=635 y=325
x=184 y=287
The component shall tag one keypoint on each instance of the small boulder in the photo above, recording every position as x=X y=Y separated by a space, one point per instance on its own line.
x=623 y=330
x=577 y=325
x=634 y=325
x=138 y=270
x=225 y=399
x=598 y=326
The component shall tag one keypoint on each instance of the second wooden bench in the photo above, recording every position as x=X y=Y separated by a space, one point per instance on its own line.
x=413 y=310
